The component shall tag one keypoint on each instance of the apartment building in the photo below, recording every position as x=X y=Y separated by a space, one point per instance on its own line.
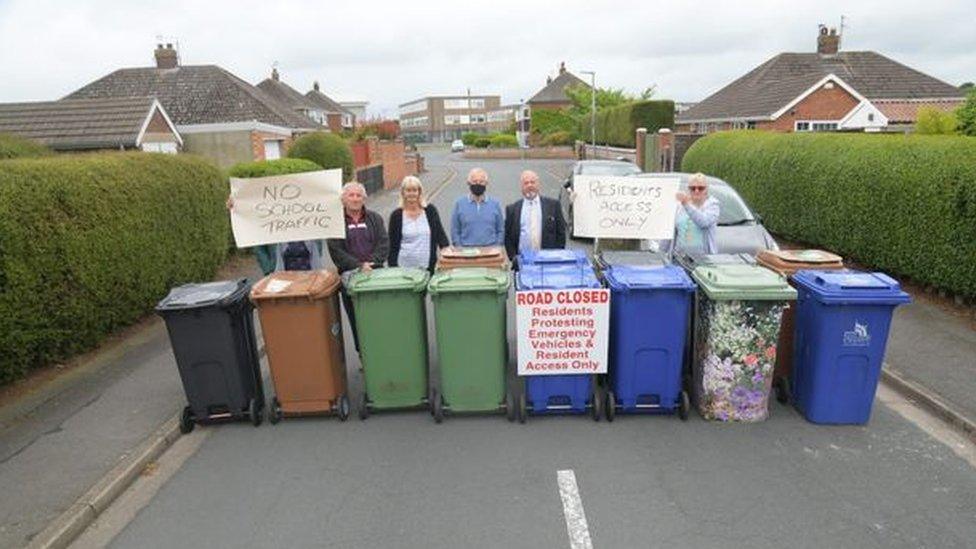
x=443 y=118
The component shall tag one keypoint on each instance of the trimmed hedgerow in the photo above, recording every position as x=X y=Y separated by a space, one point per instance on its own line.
x=503 y=141
x=618 y=125
x=549 y=121
x=902 y=204
x=89 y=243
x=267 y=168
x=327 y=150
x=12 y=146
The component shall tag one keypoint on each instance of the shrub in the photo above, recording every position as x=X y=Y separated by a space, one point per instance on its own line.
x=468 y=138
x=903 y=204
x=265 y=168
x=545 y=122
x=12 y=146
x=89 y=243
x=966 y=115
x=325 y=149
x=618 y=125
x=482 y=142
x=558 y=138
x=503 y=141
x=932 y=121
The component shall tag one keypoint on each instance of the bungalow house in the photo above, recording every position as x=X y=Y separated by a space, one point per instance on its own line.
x=829 y=90
x=75 y=125
x=217 y=114
x=553 y=95
x=338 y=118
x=292 y=98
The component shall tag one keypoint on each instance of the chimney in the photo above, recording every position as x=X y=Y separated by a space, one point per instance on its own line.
x=274 y=74
x=828 y=42
x=166 y=57
x=315 y=85
x=562 y=67
x=548 y=80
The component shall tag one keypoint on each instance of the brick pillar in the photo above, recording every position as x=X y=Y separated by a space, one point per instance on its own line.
x=666 y=149
x=641 y=145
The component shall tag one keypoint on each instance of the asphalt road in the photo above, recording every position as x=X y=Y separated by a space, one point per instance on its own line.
x=399 y=480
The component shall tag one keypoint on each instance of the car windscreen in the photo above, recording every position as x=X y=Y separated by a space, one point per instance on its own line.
x=622 y=168
x=732 y=209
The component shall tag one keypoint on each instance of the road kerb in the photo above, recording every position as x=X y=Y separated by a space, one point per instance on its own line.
x=930 y=401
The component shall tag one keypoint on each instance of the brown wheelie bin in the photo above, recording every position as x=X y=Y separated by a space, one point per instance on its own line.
x=786 y=263
x=489 y=257
x=299 y=313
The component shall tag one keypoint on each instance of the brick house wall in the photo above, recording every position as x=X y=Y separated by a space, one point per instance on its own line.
x=392 y=154
x=550 y=105
x=334 y=122
x=257 y=143
x=824 y=104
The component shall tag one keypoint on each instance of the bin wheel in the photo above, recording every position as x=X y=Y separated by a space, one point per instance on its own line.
x=438 y=407
x=522 y=408
x=274 y=411
x=510 y=411
x=254 y=413
x=611 y=407
x=342 y=408
x=597 y=406
x=782 y=387
x=684 y=406
x=431 y=394
x=187 y=422
x=363 y=407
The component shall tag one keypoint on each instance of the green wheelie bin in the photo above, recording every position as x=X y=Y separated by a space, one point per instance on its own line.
x=470 y=319
x=392 y=321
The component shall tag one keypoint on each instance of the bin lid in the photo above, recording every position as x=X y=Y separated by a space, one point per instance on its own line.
x=292 y=284
x=389 y=279
x=746 y=282
x=568 y=256
x=644 y=258
x=475 y=279
x=691 y=260
x=473 y=253
x=195 y=296
x=541 y=276
x=789 y=261
x=665 y=277
x=849 y=286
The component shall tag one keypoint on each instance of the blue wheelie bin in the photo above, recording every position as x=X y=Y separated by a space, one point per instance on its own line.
x=559 y=393
x=553 y=257
x=649 y=310
x=842 y=321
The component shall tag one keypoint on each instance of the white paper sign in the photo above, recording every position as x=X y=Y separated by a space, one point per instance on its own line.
x=625 y=207
x=284 y=208
x=562 y=331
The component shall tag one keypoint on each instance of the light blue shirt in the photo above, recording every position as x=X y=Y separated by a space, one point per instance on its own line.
x=695 y=227
x=525 y=223
x=477 y=223
x=415 y=244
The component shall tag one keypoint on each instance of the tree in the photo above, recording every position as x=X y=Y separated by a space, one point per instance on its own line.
x=582 y=98
x=966 y=115
x=932 y=121
x=325 y=149
x=966 y=86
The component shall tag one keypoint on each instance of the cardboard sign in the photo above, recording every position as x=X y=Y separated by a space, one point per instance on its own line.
x=284 y=208
x=562 y=331
x=625 y=207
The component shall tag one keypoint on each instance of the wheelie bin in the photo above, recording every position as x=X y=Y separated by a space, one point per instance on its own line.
x=302 y=329
x=211 y=331
x=562 y=256
x=736 y=329
x=842 y=321
x=786 y=263
x=559 y=393
x=392 y=320
x=636 y=258
x=649 y=310
x=455 y=257
x=470 y=318
x=692 y=260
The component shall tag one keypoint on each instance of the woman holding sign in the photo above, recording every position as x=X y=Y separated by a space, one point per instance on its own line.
x=416 y=232
x=697 y=217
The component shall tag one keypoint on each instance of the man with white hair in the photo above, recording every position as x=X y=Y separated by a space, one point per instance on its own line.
x=533 y=223
x=365 y=246
x=477 y=219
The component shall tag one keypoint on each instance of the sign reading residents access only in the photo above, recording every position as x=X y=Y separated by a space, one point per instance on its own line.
x=625 y=207
x=562 y=331
x=285 y=208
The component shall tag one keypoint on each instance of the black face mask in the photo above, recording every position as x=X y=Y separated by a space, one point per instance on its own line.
x=477 y=189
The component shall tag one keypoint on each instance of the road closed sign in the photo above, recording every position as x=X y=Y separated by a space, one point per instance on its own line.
x=562 y=331
x=625 y=207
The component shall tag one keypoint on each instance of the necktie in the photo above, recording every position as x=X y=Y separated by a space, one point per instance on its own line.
x=534 y=231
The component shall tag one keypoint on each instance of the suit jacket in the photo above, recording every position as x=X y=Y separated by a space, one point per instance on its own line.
x=553 y=226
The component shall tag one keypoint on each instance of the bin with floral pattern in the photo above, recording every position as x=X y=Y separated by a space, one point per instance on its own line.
x=739 y=309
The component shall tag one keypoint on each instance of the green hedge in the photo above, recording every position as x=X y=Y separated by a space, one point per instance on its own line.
x=482 y=142
x=503 y=141
x=327 y=150
x=468 y=138
x=902 y=204
x=549 y=121
x=558 y=138
x=267 y=168
x=618 y=125
x=12 y=146
x=90 y=243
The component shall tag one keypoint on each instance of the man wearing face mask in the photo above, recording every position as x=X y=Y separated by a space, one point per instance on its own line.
x=533 y=223
x=477 y=219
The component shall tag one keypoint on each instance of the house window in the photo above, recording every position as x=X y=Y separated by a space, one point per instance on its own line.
x=870 y=117
x=166 y=147
x=812 y=126
x=751 y=125
x=801 y=127
x=272 y=149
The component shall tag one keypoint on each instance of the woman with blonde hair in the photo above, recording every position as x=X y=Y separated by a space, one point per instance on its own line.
x=416 y=232
x=696 y=219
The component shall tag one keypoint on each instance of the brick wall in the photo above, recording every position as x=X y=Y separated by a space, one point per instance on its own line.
x=257 y=143
x=334 y=122
x=392 y=156
x=360 y=154
x=823 y=104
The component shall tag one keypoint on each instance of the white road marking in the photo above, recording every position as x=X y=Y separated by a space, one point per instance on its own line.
x=579 y=532
x=924 y=420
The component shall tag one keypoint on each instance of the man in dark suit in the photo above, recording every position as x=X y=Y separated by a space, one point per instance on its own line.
x=534 y=222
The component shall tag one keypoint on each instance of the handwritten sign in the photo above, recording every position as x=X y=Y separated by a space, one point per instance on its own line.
x=283 y=208
x=625 y=207
x=562 y=331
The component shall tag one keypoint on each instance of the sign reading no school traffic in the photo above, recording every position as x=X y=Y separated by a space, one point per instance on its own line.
x=625 y=207
x=562 y=331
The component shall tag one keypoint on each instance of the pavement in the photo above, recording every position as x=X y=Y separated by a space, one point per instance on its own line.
x=400 y=480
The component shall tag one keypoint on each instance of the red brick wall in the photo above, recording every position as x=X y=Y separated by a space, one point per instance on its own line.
x=157 y=124
x=257 y=143
x=823 y=104
x=334 y=122
x=360 y=154
x=392 y=155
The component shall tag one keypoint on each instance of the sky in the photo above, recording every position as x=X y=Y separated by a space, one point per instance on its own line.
x=390 y=53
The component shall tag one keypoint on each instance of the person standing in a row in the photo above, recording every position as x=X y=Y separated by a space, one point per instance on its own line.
x=477 y=219
x=533 y=223
x=416 y=232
